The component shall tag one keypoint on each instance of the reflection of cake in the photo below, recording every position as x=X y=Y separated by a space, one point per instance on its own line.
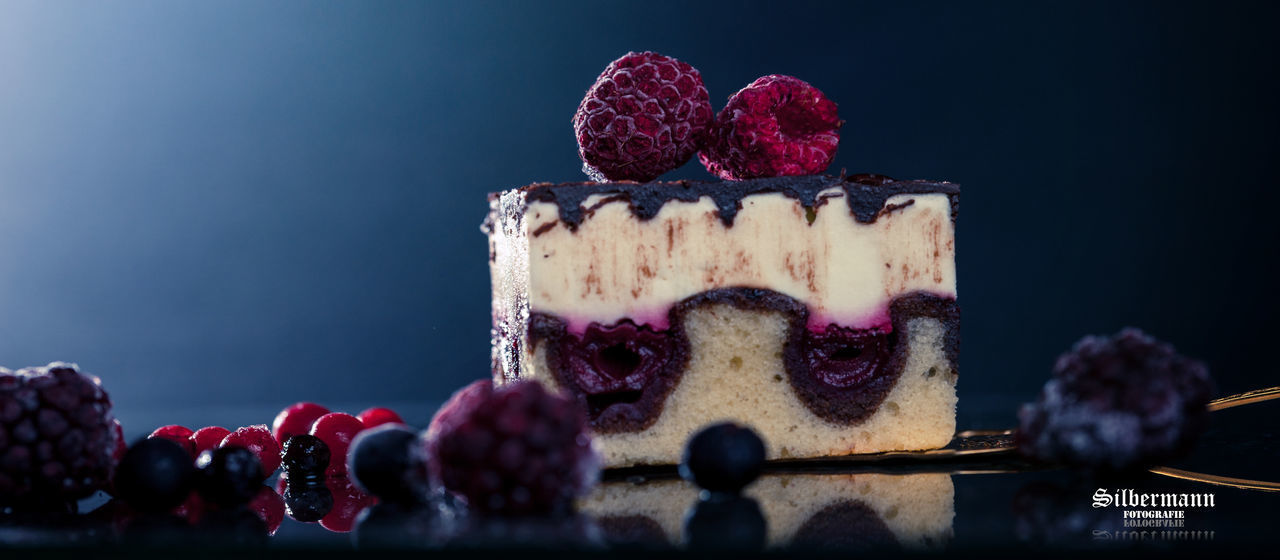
x=847 y=511
x=819 y=310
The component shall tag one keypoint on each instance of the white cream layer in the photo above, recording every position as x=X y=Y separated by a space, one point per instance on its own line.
x=615 y=266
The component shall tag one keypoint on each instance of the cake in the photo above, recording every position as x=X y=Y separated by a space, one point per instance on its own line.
x=819 y=310
x=847 y=511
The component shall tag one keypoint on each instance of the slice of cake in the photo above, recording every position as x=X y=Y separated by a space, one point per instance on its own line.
x=818 y=310
x=845 y=511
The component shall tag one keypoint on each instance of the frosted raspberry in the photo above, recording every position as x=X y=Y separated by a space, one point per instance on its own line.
x=645 y=115
x=778 y=125
x=512 y=450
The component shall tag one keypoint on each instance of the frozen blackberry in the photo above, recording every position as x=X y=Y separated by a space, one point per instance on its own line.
x=379 y=462
x=304 y=456
x=723 y=457
x=1117 y=404
x=57 y=434
x=513 y=450
x=155 y=475
x=229 y=476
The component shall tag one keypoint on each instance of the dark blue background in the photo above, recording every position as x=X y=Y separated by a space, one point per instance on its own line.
x=214 y=204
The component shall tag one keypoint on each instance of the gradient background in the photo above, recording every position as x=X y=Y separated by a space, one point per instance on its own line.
x=222 y=208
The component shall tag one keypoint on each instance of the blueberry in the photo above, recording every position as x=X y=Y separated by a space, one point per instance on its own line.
x=307 y=501
x=229 y=476
x=379 y=462
x=155 y=475
x=723 y=457
x=304 y=456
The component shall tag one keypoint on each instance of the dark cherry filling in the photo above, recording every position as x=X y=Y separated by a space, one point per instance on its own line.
x=614 y=365
x=842 y=357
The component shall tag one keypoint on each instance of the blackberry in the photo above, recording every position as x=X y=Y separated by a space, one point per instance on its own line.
x=723 y=457
x=155 y=475
x=1117 y=404
x=513 y=450
x=379 y=462
x=57 y=434
x=304 y=456
x=229 y=476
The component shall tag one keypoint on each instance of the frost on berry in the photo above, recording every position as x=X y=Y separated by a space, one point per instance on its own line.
x=1117 y=404
x=513 y=450
x=776 y=126
x=645 y=115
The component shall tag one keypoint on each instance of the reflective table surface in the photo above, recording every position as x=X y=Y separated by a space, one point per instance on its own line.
x=976 y=494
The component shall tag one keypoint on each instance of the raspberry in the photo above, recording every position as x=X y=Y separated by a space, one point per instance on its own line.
x=259 y=440
x=296 y=420
x=1117 y=404
x=336 y=430
x=513 y=450
x=645 y=115
x=180 y=435
x=377 y=416
x=776 y=126
x=209 y=437
x=57 y=434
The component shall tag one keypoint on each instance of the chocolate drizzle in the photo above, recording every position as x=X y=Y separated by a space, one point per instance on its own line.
x=865 y=194
x=845 y=405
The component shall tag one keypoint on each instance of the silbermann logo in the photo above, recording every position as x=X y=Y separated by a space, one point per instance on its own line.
x=1159 y=510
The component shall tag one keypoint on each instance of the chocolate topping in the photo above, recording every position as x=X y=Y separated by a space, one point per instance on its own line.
x=844 y=393
x=864 y=193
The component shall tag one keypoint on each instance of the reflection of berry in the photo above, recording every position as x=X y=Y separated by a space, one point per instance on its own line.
x=307 y=502
x=259 y=440
x=155 y=475
x=269 y=506
x=207 y=438
x=645 y=115
x=377 y=416
x=229 y=476
x=336 y=430
x=304 y=456
x=379 y=462
x=180 y=435
x=57 y=434
x=296 y=420
x=726 y=522
x=348 y=502
x=723 y=457
x=776 y=126
x=513 y=450
x=1117 y=404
